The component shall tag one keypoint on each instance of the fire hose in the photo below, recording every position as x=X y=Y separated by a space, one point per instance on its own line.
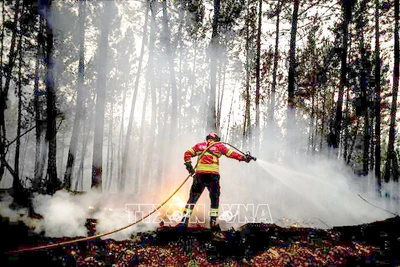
x=65 y=243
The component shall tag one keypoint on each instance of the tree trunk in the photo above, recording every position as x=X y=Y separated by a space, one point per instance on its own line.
x=150 y=78
x=3 y=18
x=347 y=125
x=2 y=104
x=363 y=85
x=292 y=56
x=211 y=118
x=377 y=99
x=4 y=91
x=80 y=99
x=86 y=129
x=314 y=63
x=121 y=135
x=275 y=67
x=16 y=178
x=353 y=142
x=110 y=150
x=170 y=56
x=110 y=178
x=97 y=165
x=151 y=143
x=292 y=75
x=391 y=158
x=53 y=183
x=140 y=152
x=258 y=59
x=347 y=9
x=229 y=116
x=247 y=122
x=322 y=122
x=38 y=120
x=121 y=185
x=221 y=94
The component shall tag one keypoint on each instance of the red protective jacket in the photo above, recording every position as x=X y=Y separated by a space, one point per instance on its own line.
x=209 y=162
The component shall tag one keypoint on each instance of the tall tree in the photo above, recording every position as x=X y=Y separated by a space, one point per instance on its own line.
x=246 y=124
x=363 y=81
x=391 y=158
x=292 y=56
x=211 y=117
x=16 y=180
x=347 y=7
x=292 y=72
x=52 y=180
x=271 y=108
x=377 y=97
x=80 y=99
x=172 y=78
x=150 y=74
x=97 y=164
x=2 y=105
x=4 y=91
x=258 y=56
x=121 y=185
x=39 y=125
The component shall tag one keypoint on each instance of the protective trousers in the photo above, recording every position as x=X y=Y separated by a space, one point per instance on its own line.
x=200 y=181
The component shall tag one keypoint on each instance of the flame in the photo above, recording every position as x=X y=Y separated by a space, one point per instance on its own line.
x=91 y=208
x=179 y=202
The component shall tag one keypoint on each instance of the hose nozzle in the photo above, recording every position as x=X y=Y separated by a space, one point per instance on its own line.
x=248 y=155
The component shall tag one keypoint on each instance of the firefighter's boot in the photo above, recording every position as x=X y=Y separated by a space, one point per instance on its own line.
x=213 y=224
x=216 y=233
x=182 y=226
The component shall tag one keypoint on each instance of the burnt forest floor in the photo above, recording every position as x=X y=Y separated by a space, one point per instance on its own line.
x=372 y=244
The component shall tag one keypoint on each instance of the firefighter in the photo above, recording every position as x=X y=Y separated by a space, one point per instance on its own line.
x=207 y=175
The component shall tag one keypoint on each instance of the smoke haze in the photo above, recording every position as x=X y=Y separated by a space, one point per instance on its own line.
x=315 y=190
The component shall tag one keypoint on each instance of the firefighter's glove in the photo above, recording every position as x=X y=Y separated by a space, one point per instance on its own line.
x=247 y=158
x=189 y=167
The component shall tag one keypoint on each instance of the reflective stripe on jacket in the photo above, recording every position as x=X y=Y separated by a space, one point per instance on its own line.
x=209 y=162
